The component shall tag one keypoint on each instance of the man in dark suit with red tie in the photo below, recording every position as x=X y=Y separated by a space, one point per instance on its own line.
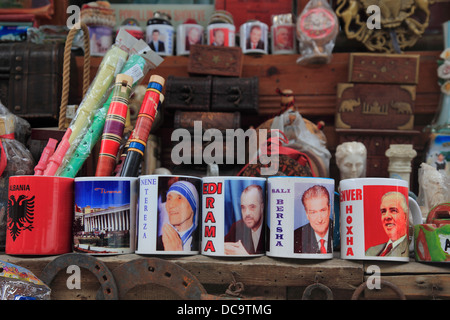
x=316 y=236
x=254 y=41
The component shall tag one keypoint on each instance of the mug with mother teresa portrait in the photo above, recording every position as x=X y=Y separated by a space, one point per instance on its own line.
x=376 y=215
x=168 y=217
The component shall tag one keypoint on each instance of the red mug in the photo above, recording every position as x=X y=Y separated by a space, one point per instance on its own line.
x=39 y=215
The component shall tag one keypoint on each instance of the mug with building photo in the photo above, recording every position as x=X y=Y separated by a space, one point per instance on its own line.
x=105 y=215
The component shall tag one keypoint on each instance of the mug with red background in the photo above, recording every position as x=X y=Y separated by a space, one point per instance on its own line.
x=376 y=215
x=40 y=215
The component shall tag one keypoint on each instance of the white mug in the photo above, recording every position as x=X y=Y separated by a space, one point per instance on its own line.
x=375 y=219
x=253 y=37
x=105 y=215
x=233 y=216
x=188 y=34
x=221 y=35
x=169 y=213
x=300 y=217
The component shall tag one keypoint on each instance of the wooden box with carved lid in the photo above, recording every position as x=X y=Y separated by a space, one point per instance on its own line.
x=384 y=68
x=216 y=61
x=375 y=106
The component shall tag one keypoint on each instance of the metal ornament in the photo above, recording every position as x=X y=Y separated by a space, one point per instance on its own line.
x=308 y=293
x=157 y=271
x=98 y=268
x=357 y=293
x=384 y=25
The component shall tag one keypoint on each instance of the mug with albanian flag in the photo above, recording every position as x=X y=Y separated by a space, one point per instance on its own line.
x=39 y=215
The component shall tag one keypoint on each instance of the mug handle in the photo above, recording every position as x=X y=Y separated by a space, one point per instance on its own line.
x=337 y=228
x=416 y=214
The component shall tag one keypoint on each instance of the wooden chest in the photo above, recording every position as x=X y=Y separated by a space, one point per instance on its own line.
x=188 y=93
x=384 y=68
x=207 y=120
x=31 y=79
x=375 y=106
x=231 y=94
x=218 y=61
x=199 y=141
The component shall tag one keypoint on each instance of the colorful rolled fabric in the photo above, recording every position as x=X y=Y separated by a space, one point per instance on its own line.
x=114 y=58
x=75 y=160
x=144 y=122
x=96 y=95
x=123 y=155
x=114 y=126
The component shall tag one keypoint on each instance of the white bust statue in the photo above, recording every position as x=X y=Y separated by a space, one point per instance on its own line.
x=351 y=159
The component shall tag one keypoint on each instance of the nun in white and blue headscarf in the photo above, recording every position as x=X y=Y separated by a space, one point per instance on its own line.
x=188 y=237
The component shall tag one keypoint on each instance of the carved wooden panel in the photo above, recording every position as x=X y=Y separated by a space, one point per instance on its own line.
x=375 y=106
x=384 y=68
x=212 y=60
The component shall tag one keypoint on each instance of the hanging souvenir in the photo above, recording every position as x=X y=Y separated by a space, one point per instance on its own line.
x=317 y=28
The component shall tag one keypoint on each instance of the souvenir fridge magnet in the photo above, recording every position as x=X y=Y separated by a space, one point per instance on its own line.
x=317 y=28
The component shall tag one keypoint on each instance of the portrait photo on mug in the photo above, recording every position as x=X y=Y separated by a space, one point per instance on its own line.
x=219 y=37
x=194 y=35
x=244 y=217
x=313 y=218
x=254 y=37
x=160 y=39
x=386 y=221
x=179 y=205
x=283 y=38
